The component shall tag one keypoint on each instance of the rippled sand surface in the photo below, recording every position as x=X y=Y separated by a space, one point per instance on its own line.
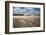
x=26 y=21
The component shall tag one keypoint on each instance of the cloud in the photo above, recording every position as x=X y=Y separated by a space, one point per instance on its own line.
x=26 y=11
x=18 y=10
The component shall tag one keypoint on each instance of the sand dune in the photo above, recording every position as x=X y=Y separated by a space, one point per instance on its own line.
x=26 y=21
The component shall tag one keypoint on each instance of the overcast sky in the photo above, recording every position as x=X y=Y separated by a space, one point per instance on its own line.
x=26 y=11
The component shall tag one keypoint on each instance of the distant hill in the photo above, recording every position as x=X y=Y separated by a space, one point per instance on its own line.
x=18 y=14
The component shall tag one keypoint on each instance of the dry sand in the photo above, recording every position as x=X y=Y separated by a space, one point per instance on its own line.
x=26 y=21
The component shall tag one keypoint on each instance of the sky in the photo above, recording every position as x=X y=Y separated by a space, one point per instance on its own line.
x=26 y=11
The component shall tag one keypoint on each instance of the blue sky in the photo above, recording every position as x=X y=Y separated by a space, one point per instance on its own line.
x=26 y=11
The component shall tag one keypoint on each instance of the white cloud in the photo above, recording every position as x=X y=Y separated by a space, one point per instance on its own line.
x=26 y=11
